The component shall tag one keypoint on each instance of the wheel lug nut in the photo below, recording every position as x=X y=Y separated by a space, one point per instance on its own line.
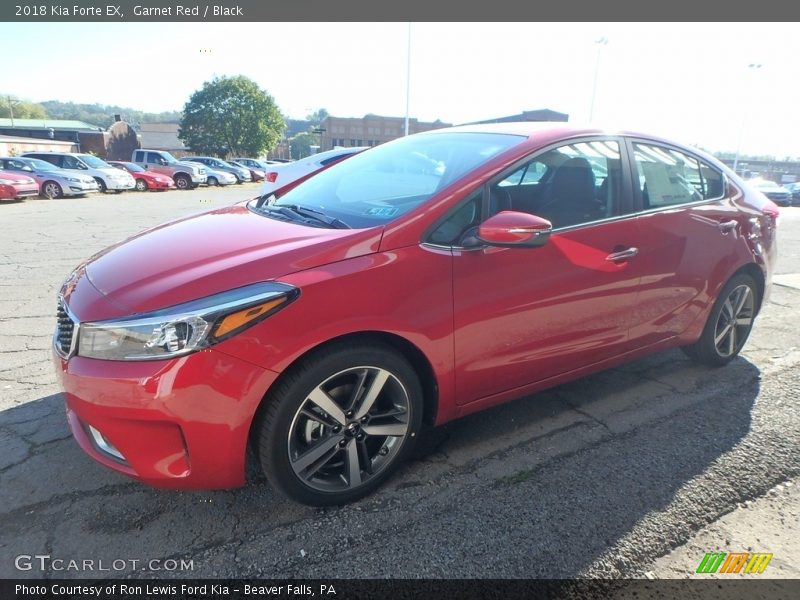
x=364 y=419
x=343 y=443
x=349 y=414
x=360 y=437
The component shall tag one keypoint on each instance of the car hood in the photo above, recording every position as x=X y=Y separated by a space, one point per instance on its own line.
x=213 y=252
x=187 y=165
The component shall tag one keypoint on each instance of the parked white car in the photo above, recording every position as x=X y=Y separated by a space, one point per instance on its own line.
x=279 y=175
x=106 y=176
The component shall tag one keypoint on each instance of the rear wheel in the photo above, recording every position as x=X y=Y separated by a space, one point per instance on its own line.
x=141 y=185
x=52 y=189
x=729 y=323
x=340 y=423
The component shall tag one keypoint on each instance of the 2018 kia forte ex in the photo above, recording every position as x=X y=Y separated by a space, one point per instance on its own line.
x=424 y=279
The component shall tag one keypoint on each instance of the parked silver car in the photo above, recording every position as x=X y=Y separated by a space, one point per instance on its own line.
x=219 y=177
x=218 y=164
x=53 y=182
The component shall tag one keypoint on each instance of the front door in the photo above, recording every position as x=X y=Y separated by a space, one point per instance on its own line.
x=523 y=315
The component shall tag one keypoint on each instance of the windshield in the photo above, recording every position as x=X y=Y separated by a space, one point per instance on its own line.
x=132 y=167
x=94 y=162
x=377 y=186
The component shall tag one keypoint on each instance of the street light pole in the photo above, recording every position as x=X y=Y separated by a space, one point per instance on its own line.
x=603 y=41
x=752 y=67
x=408 y=75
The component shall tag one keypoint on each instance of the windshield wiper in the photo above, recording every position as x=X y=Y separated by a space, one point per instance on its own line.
x=313 y=214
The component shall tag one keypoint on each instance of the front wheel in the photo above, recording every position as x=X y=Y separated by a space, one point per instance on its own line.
x=141 y=185
x=182 y=182
x=52 y=189
x=101 y=185
x=212 y=182
x=729 y=323
x=340 y=423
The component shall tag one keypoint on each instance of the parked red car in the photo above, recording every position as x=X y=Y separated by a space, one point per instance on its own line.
x=145 y=180
x=255 y=174
x=417 y=282
x=15 y=186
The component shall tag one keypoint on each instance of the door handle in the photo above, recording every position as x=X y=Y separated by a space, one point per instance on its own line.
x=727 y=226
x=622 y=254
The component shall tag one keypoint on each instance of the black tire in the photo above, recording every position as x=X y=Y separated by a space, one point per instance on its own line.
x=141 y=185
x=212 y=181
x=716 y=348
x=52 y=189
x=183 y=182
x=355 y=461
x=101 y=185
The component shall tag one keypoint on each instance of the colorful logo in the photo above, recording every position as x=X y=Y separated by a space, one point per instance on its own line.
x=735 y=562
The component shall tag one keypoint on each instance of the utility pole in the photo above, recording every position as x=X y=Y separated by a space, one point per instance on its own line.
x=603 y=41
x=408 y=75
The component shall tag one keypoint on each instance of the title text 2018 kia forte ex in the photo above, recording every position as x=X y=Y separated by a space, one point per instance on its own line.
x=416 y=282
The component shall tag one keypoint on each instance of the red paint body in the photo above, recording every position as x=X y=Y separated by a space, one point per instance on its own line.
x=155 y=181
x=21 y=186
x=493 y=323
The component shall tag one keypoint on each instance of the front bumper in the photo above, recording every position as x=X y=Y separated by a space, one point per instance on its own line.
x=120 y=184
x=19 y=191
x=180 y=423
x=154 y=184
x=72 y=188
x=199 y=178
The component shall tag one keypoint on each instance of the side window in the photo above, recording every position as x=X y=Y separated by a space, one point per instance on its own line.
x=466 y=216
x=139 y=156
x=154 y=158
x=70 y=162
x=668 y=177
x=570 y=185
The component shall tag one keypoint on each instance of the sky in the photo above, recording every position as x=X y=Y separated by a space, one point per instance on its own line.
x=690 y=82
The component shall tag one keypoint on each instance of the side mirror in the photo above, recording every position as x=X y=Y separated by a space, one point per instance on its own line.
x=511 y=229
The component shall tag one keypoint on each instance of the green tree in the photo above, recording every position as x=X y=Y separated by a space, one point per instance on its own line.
x=231 y=115
x=317 y=117
x=20 y=109
x=301 y=144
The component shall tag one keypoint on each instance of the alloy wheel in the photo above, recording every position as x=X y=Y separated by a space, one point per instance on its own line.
x=349 y=429
x=734 y=321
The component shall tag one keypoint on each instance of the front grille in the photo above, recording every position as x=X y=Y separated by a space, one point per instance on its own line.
x=65 y=329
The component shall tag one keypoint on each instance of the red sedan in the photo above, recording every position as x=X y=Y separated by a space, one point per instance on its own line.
x=417 y=282
x=15 y=186
x=145 y=180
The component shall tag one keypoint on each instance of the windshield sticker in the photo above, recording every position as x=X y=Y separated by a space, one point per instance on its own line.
x=381 y=211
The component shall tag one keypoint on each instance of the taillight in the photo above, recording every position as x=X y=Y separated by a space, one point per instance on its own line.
x=272 y=176
x=771 y=209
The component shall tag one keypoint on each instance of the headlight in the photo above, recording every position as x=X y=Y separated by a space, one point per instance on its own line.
x=6 y=182
x=73 y=179
x=184 y=328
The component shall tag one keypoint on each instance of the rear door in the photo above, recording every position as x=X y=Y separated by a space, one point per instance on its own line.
x=690 y=229
x=522 y=315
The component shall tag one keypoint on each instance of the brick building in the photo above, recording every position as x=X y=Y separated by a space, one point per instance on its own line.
x=369 y=130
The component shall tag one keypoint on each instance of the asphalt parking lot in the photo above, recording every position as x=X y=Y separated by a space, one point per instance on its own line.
x=600 y=477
